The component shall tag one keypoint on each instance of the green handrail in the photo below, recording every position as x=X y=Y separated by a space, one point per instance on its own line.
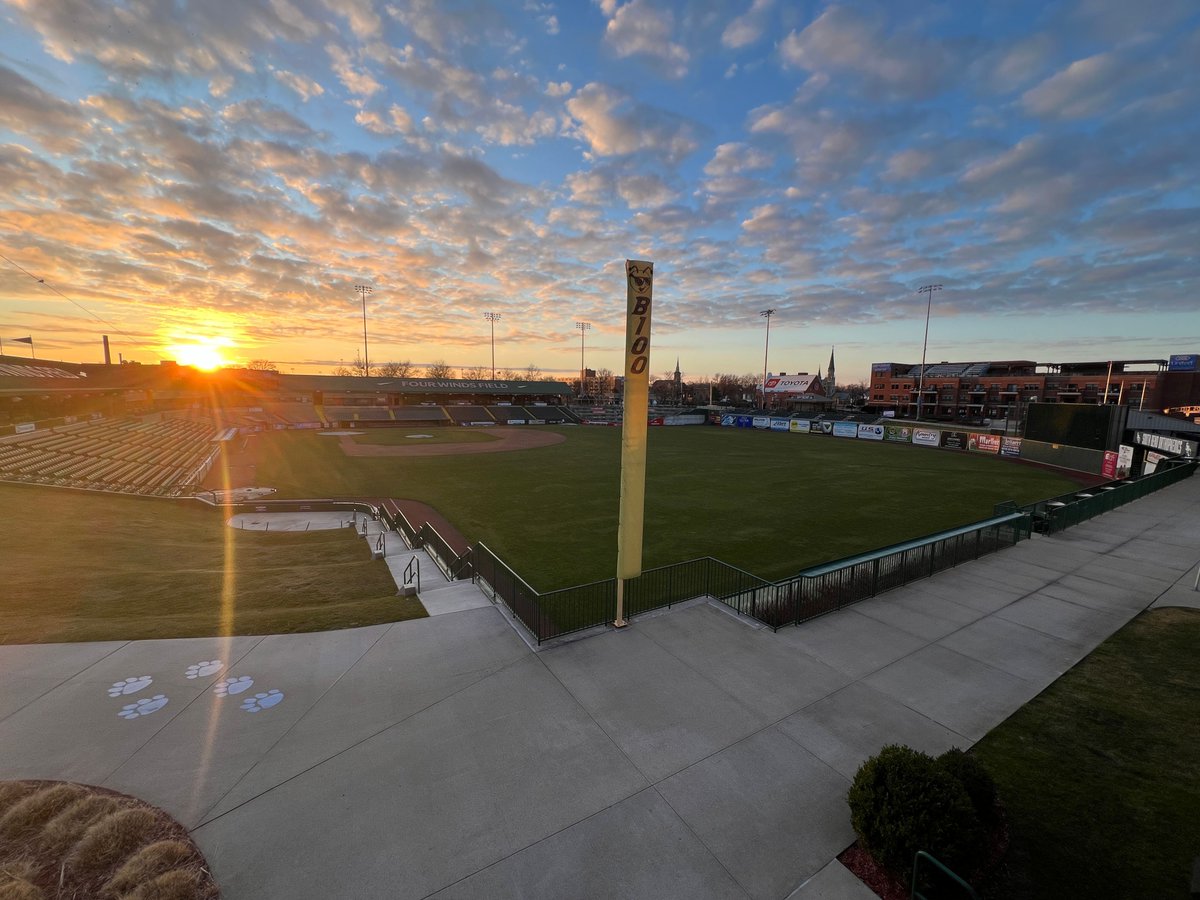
x=934 y=861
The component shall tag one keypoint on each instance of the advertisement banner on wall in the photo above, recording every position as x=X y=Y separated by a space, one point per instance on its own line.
x=26 y=427
x=1183 y=362
x=984 y=443
x=881 y=368
x=845 y=429
x=1010 y=446
x=762 y=421
x=780 y=424
x=1151 y=462
x=727 y=421
x=826 y=428
x=954 y=440
x=870 y=432
x=1124 y=460
x=927 y=437
x=1108 y=468
x=799 y=426
x=899 y=433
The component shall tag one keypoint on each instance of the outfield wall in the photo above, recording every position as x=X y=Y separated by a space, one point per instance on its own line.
x=924 y=436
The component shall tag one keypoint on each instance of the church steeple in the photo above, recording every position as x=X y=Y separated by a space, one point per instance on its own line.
x=678 y=381
x=831 y=388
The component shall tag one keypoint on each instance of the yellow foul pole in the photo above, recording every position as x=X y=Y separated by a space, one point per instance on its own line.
x=639 y=277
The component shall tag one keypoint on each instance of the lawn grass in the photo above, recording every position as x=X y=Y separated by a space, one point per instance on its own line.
x=442 y=435
x=90 y=567
x=769 y=503
x=1101 y=772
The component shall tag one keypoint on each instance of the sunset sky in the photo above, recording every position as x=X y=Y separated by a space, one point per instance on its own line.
x=222 y=173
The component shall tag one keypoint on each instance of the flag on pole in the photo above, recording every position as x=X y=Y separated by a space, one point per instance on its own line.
x=24 y=340
x=640 y=282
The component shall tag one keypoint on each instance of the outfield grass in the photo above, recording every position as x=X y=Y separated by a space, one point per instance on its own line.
x=1101 y=773
x=90 y=567
x=769 y=503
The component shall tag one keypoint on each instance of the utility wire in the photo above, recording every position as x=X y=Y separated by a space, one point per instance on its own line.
x=42 y=281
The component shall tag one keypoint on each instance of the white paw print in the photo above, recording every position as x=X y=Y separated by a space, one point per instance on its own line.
x=130 y=685
x=259 y=702
x=143 y=707
x=233 y=685
x=211 y=667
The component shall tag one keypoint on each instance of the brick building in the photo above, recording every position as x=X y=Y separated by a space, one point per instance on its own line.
x=1000 y=389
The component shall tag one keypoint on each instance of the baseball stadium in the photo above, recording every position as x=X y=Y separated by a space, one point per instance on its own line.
x=397 y=598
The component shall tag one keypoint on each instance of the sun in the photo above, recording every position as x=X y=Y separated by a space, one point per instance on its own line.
x=206 y=356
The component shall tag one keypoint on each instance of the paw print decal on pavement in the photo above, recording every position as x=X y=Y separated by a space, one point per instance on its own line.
x=259 y=702
x=143 y=707
x=233 y=685
x=130 y=685
x=211 y=667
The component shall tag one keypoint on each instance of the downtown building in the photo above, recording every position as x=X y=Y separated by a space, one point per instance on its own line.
x=1001 y=389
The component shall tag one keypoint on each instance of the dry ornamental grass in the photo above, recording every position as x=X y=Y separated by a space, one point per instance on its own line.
x=61 y=841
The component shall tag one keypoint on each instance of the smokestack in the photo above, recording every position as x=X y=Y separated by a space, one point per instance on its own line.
x=107 y=355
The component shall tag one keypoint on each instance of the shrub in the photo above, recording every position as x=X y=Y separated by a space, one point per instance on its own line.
x=971 y=774
x=902 y=801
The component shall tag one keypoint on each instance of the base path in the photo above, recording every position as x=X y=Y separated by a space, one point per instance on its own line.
x=691 y=755
x=507 y=440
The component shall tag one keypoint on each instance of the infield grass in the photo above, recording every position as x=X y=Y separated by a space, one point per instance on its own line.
x=768 y=503
x=1101 y=772
x=411 y=437
x=91 y=567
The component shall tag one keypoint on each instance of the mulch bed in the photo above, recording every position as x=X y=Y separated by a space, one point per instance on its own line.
x=53 y=879
x=888 y=886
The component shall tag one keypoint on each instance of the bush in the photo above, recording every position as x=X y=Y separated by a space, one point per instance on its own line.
x=902 y=801
x=971 y=774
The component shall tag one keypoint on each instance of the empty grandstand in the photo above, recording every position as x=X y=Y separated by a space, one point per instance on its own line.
x=164 y=457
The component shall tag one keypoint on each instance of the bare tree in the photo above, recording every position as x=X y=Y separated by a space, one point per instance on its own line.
x=477 y=373
x=532 y=373
x=402 y=369
x=262 y=365
x=358 y=367
x=439 y=369
x=509 y=375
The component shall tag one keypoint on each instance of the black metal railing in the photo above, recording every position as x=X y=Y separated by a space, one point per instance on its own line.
x=806 y=595
x=1066 y=510
x=831 y=586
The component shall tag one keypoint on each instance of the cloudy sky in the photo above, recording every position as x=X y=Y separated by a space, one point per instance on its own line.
x=224 y=172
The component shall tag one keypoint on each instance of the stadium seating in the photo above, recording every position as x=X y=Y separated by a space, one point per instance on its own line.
x=550 y=414
x=411 y=414
x=358 y=413
x=469 y=415
x=167 y=456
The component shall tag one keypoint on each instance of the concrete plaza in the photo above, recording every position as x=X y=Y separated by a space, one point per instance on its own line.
x=691 y=755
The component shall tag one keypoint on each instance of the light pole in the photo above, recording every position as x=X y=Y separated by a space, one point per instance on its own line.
x=926 y=289
x=584 y=328
x=766 y=314
x=364 y=289
x=493 y=318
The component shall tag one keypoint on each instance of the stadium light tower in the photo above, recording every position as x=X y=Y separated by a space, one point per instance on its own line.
x=766 y=314
x=493 y=318
x=584 y=328
x=925 y=289
x=363 y=290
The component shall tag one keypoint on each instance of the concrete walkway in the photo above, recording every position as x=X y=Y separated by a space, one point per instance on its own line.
x=688 y=756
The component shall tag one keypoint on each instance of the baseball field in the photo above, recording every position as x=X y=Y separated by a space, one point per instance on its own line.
x=766 y=502
x=87 y=566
